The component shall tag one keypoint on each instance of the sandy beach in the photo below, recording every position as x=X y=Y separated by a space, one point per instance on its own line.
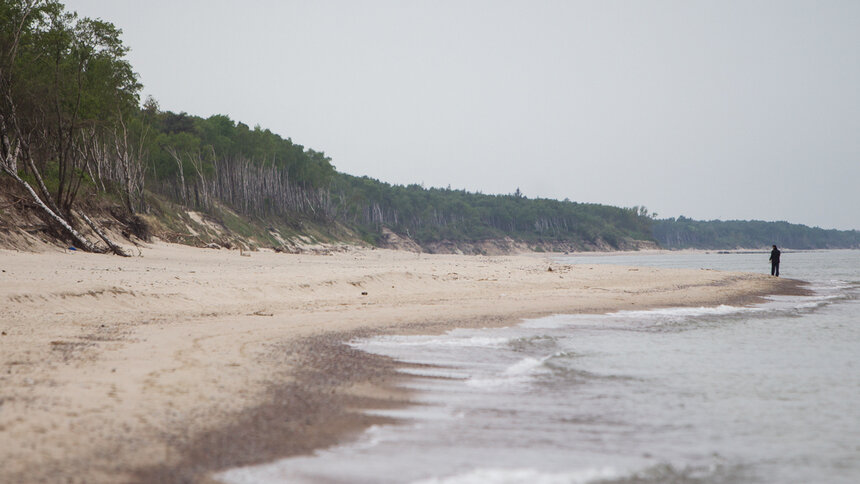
x=181 y=361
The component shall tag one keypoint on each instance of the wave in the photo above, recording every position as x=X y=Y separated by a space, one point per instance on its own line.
x=682 y=313
x=715 y=472
x=433 y=372
x=680 y=317
x=516 y=374
x=533 y=343
x=449 y=339
x=527 y=369
x=648 y=315
x=659 y=473
x=531 y=476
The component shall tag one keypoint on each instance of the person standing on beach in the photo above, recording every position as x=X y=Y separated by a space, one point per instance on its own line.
x=774 y=261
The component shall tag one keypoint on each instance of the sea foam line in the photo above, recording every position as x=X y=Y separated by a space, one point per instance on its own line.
x=519 y=476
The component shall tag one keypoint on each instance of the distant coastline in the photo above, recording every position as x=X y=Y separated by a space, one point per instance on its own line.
x=685 y=233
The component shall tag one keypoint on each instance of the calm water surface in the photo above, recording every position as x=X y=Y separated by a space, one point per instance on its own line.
x=709 y=395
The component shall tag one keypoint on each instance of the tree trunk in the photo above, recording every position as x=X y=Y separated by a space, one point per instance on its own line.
x=176 y=157
x=113 y=247
x=78 y=239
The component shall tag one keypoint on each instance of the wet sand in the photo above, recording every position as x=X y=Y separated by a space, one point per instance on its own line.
x=180 y=362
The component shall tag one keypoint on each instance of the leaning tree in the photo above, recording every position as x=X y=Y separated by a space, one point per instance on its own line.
x=65 y=88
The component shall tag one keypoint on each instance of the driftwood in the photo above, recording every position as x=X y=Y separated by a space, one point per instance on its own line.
x=113 y=247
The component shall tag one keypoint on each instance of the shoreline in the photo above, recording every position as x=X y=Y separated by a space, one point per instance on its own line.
x=187 y=361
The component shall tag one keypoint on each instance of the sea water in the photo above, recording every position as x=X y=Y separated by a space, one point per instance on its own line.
x=764 y=394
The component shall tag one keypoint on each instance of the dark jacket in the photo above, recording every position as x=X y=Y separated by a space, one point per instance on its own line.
x=774 y=256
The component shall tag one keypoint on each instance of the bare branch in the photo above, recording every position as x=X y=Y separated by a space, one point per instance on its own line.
x=113 y=247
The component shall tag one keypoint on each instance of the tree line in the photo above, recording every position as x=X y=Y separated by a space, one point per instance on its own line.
x=684 y=233
x=436 y=214
x=72 y=123
x=197 y=162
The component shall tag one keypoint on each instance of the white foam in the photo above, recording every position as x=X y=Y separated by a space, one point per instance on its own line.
x=525 y=476
x=810 y=305
x=448 y=340
x=433 y=373
x=558 y=321
x=525 y=366
x=371 y=437
x=680 y=313
x=423 y=413
x=663 y=314
x=804 y=302
x=515 y=374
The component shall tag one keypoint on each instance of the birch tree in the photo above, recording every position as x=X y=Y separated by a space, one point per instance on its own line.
x=61 y=80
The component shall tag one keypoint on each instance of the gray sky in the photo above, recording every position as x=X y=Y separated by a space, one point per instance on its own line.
x=710 y=109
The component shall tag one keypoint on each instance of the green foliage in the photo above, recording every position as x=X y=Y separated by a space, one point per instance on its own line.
x=236 y=224
x=71 y=76
x=64 y=81
x=219 y=137
x=70 y=71
x=218 y=144
x=436 y=214
x=682 y=233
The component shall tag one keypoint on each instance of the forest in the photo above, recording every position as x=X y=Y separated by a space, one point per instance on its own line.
x=199 y=161
x=685 y=233
x=74 y=128
x=76 y=139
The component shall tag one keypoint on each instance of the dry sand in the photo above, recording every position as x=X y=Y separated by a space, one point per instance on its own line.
x=167 y=366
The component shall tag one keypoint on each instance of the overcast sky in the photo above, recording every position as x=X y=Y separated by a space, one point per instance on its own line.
x=709 y=109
